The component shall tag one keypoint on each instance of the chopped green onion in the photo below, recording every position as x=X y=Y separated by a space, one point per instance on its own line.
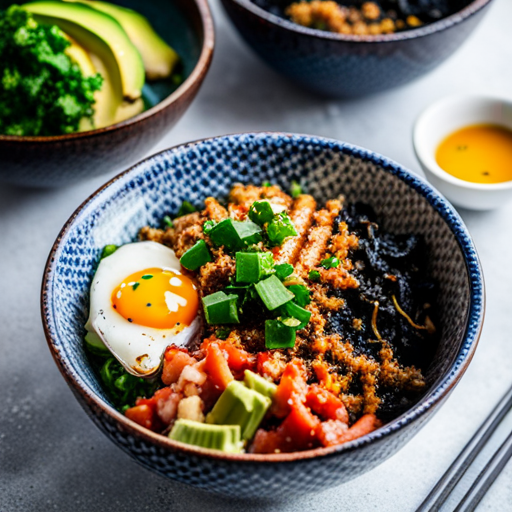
x=108 y=250
x=283 y=270
x=235 y=234
x=261 y=212
x=168 y=222
x=248 y=231
x=185 y=209
x=220 y=308
x=290 y=322
x=273 y=293
x=208 y=226
x=300 y=314
x=280 y=227
x=135 y=285
x=301 y=293
x=251 y=267
x=331 y=262
x=278 y=335
x=224 y=233
x=222 y=334
x=314 y=275
x=237 y=289
x=196 y=256
x=295 y=189
x=266 y=184
x=147 y=276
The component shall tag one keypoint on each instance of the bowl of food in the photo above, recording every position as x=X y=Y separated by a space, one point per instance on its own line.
x=263 y=315
x=353 y=48
x=90 y=86
x=464 y=146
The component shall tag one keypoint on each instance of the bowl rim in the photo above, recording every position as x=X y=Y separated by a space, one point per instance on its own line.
x=427 y=159
x=199 y=71
x=424 y=30
x=441 y=389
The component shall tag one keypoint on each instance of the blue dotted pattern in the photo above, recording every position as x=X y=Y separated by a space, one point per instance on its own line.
x=158 y=185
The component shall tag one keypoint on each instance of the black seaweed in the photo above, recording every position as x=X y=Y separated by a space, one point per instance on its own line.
x=387 y=265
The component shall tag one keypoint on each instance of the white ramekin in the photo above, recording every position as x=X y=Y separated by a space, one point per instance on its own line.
x=443 y=118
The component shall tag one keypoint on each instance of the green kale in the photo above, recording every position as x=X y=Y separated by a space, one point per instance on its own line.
x=42 y=91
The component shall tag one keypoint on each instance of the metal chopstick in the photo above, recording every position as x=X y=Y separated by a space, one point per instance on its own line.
x=486 y=477
x=456 y=471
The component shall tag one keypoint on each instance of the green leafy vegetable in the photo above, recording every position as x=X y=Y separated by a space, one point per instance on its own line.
x=123 y=387
x=42 y=91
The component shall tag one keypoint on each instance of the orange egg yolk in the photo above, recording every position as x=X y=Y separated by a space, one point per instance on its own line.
x=156 y=297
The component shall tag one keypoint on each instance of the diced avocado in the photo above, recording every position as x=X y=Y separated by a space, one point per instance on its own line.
x=239 y=405
x=158 y=57
x=260 y=384
x=95 y=345
x=217 y=437
x=100 y=34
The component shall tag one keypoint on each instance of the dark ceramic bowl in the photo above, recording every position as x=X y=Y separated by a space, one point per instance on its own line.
x=348 y=65
x=61 y=160
x=156 y=187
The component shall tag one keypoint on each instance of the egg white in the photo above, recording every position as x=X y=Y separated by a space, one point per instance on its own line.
x=138 y=348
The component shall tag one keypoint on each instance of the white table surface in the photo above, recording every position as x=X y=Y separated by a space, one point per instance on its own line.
x=52 y=457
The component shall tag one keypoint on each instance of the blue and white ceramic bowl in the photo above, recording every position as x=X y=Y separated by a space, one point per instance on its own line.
x=156 y=187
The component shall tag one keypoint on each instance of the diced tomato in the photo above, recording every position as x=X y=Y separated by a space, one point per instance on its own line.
x=144 y=415
x=209 y=394
x=266 y=442
x=238 y=359
x=175 y=360
x=334 y=432
x=297 y=432
x=292 y=387
x=166 y=404
x=325 y=404
x=269 y=366
x=216 y=367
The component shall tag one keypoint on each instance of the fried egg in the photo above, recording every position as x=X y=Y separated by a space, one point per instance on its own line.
x=140 y=303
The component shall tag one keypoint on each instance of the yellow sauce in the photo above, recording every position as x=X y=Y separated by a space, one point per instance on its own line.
x=481 y=153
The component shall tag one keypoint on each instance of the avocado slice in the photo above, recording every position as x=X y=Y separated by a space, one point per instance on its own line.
x=109 y=107
x=216 y=437
x=106 y=102
x=239 y=405
x=101 y=34
x=158 y=57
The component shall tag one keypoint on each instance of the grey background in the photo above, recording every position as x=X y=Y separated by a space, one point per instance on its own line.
x=52 y=457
